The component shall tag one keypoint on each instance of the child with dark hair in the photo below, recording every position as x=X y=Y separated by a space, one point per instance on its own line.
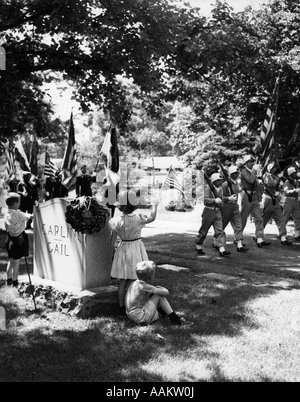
x=17 y=244
x=131 y=249
x=146 y=303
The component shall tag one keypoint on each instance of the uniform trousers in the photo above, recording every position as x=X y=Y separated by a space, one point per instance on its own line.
x=291 y=209
x=212 y=217
x=231 y=214
x=252 y=208
x=271 y=210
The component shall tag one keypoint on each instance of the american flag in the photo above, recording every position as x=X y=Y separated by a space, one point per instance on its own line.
x=267 y=132
x=10 y=162
x=50 y=167
x=69 y=164
x=21 y=156
x=171 y=182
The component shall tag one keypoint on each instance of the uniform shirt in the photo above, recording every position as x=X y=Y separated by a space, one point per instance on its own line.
x=233 y=189
x=250 y=183
x=249 y=180
x=210 y=197
x=289 y=188
x=15 y=221
x=270 y=184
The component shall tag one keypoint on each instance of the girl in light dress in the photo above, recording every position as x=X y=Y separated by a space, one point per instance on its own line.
x=131 y=249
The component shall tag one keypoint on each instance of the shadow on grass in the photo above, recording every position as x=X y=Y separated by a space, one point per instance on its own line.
x=111 y=349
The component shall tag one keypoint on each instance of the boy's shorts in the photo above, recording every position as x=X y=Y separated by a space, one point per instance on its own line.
x=147 y=314
x=17 y=247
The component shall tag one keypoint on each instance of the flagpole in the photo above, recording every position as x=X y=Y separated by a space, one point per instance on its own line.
x=267 y=131
x=43 y=185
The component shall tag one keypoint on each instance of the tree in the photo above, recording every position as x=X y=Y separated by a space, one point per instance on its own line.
x=93 y=43
x=226 y=70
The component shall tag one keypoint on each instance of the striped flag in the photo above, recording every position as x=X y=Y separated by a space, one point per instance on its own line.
x=50 y=167
x=171 y=182
x=69 y=164
x=34 y=157
x=267 y=132
x=10 y=163
x=21 y=156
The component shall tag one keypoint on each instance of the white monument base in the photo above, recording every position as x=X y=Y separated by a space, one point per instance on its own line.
x=101 y=301
x=62 y=255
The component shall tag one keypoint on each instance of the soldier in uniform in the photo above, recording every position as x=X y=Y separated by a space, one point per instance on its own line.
x=291 y=191
x=231 y=211
x=212 y=216
x=271 y=201
x=251 y=198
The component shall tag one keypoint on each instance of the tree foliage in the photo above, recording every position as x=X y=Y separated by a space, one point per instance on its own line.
x=205 y=82
x=92 y=42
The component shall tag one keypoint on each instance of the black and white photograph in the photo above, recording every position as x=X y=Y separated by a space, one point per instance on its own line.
x=149 y=194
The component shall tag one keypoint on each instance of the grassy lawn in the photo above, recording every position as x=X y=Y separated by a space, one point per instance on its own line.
x=245 y=309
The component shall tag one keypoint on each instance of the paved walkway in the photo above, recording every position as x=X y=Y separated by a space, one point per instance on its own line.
x=188 y=222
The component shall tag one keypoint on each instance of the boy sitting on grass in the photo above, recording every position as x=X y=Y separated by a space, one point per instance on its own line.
x=146 y=303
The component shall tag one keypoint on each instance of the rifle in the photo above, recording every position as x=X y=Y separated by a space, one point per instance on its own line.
x=208 y=182
x=226 y=177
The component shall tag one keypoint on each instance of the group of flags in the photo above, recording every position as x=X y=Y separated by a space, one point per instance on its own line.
x=69 y=164
x=17 y=153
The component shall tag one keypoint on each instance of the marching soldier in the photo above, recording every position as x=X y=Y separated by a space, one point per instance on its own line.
x=291 y=208
x=212 y=216
x=271 y=202
x=251 y=198
x=231 y=211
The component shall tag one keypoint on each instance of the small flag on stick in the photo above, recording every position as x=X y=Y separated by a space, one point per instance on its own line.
x=50 y=167
x=171 y=181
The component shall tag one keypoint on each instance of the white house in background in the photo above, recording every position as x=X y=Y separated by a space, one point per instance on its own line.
x=158 y=167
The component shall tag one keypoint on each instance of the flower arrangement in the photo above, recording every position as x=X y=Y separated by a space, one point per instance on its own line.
x=86 y=215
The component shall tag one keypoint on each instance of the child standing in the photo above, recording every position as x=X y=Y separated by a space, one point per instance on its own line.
x=143 y=299
x=131 y=249
x=17 y=244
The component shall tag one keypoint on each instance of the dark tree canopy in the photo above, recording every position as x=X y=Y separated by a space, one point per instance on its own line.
x=92 y=42
x=221 y=69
